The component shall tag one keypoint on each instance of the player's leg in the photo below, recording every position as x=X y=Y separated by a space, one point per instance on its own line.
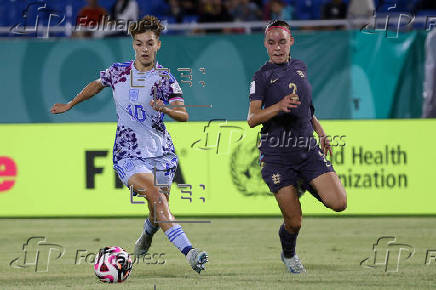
x=144 y=182
x=151 y=223
x=331 y=191
x=289 y=204
x=195 y=257
x=280 y=180
x=151 y=226
x=323 y=181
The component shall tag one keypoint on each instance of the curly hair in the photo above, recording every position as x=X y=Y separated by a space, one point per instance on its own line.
x=148 y=23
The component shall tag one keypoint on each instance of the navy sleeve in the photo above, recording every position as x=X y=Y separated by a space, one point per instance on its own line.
x=257 y=87
x=301 y=66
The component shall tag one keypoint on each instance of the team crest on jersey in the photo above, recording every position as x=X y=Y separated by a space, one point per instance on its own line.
x=133 y=94
x=300 y=73
x=276 y=178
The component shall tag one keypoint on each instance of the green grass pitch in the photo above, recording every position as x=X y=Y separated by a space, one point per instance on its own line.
x=244 y=253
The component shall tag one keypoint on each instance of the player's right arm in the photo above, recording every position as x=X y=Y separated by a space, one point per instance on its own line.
x=257 y=115
x=88 y=92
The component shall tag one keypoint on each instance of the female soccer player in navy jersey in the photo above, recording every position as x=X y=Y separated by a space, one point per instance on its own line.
x=143 y=150
x=281 y=100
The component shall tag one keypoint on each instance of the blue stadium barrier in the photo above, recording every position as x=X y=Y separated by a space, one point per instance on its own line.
x=190 y=18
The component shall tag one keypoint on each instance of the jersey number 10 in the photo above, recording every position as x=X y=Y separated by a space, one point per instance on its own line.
x=137 y=112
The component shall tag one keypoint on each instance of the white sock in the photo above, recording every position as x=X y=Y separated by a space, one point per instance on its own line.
x=149 y=228
x=177 y=236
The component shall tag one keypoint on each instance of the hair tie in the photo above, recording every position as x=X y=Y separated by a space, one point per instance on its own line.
x=281 y=27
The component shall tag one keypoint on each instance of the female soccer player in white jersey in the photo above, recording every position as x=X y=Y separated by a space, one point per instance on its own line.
x=281 y=100
x=143 y=151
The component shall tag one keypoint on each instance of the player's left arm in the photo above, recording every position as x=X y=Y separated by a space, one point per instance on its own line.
x=323 y=138
x=175 y=109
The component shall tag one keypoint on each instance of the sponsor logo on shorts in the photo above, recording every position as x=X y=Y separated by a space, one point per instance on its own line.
x=129 y=165
x=276 y=178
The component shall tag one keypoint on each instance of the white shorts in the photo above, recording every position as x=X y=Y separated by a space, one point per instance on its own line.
x=164 y=174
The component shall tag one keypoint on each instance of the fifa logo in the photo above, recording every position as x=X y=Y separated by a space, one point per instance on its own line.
x=389 y=254
x=276 y=178
x=38 y=253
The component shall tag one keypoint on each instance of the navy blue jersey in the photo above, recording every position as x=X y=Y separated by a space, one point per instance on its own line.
x=288 y=132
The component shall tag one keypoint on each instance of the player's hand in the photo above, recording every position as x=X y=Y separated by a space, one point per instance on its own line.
x=325 y=145
x=288 y=102
x=60 y=108
x=158 y=105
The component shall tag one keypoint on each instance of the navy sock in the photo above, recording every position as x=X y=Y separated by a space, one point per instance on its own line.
x=186 y=250
x=288 y=241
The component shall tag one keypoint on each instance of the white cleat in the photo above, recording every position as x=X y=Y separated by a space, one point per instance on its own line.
x=197 y=259
x=293 y=264
x=142 y=244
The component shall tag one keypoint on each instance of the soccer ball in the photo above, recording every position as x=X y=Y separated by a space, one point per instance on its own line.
x=112 y=264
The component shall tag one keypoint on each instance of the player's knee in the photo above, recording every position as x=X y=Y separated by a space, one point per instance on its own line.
x=339 y=204
x=293 y=225
x=153 y=196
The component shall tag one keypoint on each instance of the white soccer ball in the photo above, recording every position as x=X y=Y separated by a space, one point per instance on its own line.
x=112 y=265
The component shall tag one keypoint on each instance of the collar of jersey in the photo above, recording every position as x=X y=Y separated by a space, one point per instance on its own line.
x=275 y=65
x=132 y=66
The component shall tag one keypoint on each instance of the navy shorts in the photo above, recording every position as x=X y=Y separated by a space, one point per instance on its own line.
x=278 y=172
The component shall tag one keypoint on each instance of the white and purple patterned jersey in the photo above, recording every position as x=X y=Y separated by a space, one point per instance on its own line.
x=141 y=132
